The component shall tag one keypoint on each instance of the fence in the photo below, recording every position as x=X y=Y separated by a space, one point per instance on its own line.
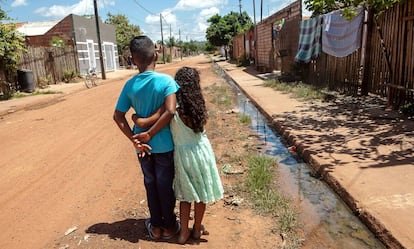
x=49 y=62
x=390 y=72
x=383 y=66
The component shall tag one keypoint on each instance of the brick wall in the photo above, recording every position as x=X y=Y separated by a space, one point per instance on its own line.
x=243 y=44
x=269 y=56
x=63 y=30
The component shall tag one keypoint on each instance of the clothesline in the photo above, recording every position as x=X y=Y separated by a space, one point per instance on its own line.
x=330 y=33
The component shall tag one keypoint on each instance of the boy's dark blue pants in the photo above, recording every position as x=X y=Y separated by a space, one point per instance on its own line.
x=158 y=170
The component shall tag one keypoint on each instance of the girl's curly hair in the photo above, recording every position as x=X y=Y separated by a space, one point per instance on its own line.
x=190 y=100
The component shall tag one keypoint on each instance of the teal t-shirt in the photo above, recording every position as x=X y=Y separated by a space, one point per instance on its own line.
x=145 y=93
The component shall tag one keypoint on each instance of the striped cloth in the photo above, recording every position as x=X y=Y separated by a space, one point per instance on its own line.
x=341 y=37
x=309 y=39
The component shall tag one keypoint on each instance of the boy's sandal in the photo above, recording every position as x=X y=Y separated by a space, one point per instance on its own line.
x=148 y=226
x=177 y=230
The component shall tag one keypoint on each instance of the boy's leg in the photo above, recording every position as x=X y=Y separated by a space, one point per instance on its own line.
x=164 y=171
x=150 y=182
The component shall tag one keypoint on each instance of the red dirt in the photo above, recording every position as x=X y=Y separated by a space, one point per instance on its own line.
x=66 y=165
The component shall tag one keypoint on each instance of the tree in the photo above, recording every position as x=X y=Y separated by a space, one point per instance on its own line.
x=124 y=32
x=171 y=42
x=222 y=29
x=11 y=42
x=319 y=7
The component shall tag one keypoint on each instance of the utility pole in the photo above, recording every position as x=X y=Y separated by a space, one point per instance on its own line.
x=171 y=43
x=162 y=41
x=99 y=40
x=181 y=44
x=261 y=10
x=255 y=34
x=244 y=32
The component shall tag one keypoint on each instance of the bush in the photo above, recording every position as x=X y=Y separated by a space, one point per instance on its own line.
x=407 y=110
x=243 y=60
x=44 y=82
x=6 y=90
x=69 y=75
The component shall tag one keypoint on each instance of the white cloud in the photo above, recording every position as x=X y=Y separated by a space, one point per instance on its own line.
x=198 y=4
x=83 y=7
x=18 y=3
x=207 y=13
x=167 y=18
x=202 y=18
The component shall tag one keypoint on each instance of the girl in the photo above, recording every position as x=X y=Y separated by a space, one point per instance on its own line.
x=196 y=176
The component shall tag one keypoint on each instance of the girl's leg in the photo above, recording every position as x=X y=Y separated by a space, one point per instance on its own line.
x=199 y=209
x=185 y=208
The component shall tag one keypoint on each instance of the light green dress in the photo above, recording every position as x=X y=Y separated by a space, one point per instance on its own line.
x=196 y=175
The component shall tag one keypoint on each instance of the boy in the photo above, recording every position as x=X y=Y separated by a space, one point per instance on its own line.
x=145 y=93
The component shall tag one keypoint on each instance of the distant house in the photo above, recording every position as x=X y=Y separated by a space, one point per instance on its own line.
x=79 y=32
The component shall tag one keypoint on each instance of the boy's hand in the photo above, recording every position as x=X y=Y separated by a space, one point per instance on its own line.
x=143 y=137
x=144 y=149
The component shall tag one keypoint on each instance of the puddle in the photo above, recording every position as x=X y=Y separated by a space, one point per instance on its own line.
x=327 y=221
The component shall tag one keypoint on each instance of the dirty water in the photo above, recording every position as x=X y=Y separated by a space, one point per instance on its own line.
x=326 y=219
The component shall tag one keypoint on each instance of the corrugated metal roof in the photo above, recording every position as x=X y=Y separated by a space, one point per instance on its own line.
x=36 y=28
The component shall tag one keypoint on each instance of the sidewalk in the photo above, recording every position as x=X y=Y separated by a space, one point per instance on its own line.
x=17 y=104
x=366 y=154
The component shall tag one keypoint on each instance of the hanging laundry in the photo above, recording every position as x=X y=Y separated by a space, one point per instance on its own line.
x=309 y=39
x=341 y=37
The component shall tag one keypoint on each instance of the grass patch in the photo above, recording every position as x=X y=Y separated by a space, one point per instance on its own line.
x=244 y=119
x=260 y=186
x=22 y=95
x=296 y=89
x=221 y=95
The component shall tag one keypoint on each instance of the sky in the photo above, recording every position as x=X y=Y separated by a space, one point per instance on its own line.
x=182 y=19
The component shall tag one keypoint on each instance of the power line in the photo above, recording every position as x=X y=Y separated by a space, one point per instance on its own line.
x=149 y=12
x=142 y=7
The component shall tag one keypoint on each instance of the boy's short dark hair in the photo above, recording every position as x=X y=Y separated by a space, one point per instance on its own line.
x=143 y=49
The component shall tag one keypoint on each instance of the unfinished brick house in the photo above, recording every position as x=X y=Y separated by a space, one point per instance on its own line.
x=79 y=32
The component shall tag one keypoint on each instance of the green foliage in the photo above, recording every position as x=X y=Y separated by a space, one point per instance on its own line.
x=243 y=60
x=298 y=90
x=221 y=95
x=171 y=42
x=325 y=6
x=261 y=187
x=259 y=173
x=69 y=75
x=57 y=42
x=44 y=82
x=18 y=95
x=222 y=29
x=11 y=42
x=210 y=47
x=245 y=119
x=6 y=90
x=407 y=109
x=124 y=32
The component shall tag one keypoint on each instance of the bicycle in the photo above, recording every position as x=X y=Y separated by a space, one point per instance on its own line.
x=91 y=78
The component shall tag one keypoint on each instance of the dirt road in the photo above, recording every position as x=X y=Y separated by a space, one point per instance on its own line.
x=70 y=179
